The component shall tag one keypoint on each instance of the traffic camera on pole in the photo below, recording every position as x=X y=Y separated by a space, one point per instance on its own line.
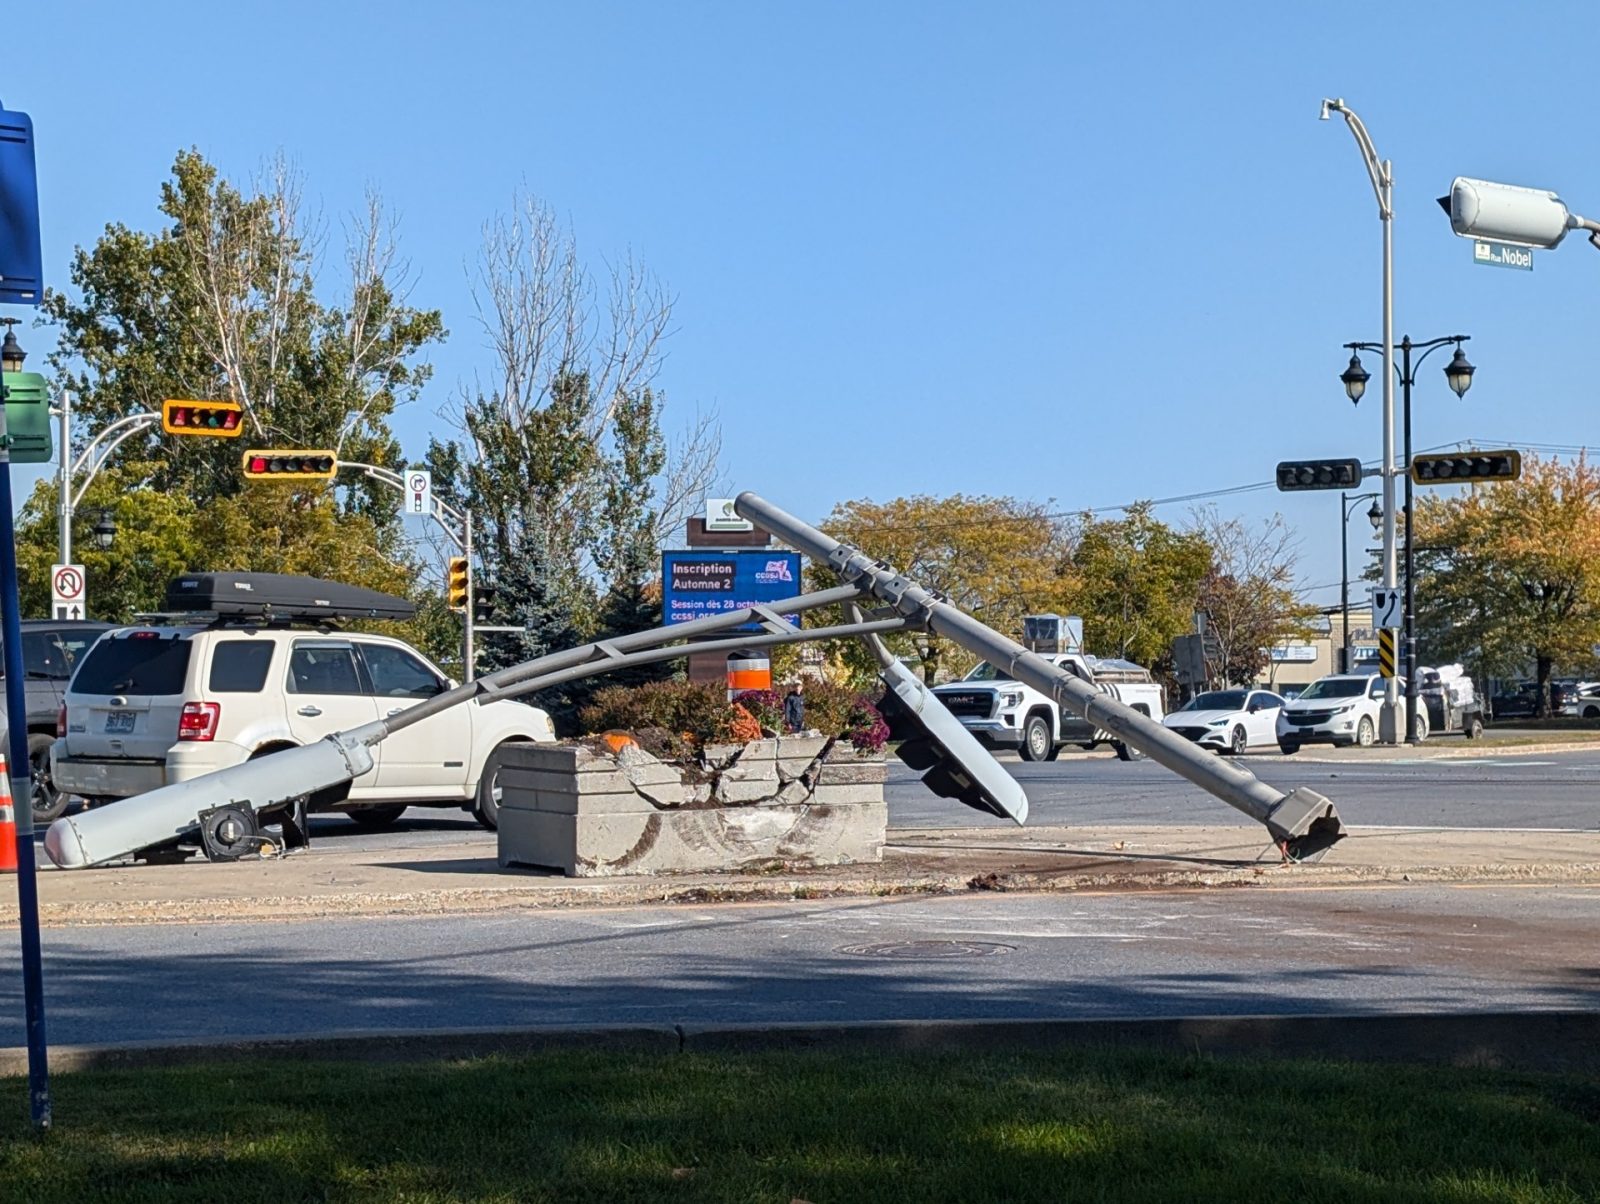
x=278 y=465
x=456 y=583
x=220 y=419
x=1294 y=475
x=1469 y=468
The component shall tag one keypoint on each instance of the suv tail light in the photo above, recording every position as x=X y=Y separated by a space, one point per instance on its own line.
x=198 y=720
x=61 y=723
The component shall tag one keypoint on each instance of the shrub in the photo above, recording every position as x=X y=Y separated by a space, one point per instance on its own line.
x=766 y=706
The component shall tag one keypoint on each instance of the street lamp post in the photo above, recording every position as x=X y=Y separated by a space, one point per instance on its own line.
x=1381 y=173
x=1458 y=374
x=1347 y=505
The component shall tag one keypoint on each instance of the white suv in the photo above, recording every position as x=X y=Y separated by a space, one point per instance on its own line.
x=1342 y=709
x=154 y=705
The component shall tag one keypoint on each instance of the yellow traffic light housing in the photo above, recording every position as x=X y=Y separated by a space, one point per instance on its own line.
x=456 y=583
x=218 y=419
x=277 y=464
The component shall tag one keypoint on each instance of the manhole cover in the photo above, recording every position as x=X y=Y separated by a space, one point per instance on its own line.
x=926 y=950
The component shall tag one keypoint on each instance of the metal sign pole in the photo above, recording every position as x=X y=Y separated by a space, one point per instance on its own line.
x=22 y=800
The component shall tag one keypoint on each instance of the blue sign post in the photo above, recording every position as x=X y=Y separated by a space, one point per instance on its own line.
x=21 y=283
x=704 y=584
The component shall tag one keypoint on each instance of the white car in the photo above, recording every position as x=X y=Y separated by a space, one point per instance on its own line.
x=154 y=705
x=1342 y=709
x=1229 y=721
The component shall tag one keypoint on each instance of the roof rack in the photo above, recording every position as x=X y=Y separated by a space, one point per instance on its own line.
x=278 y=598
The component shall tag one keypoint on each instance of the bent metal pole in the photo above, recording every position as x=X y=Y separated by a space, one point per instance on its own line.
x=1303 y=823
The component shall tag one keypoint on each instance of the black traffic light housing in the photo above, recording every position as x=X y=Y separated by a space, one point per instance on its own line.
x=1469 y=466
x=1295 y=475
x=217 y=419
x=483 y=602
x=277 y=464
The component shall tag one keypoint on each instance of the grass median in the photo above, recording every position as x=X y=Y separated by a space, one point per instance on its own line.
x=810 y=1126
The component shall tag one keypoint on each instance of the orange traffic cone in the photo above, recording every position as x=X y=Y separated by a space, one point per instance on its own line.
x=8 y=824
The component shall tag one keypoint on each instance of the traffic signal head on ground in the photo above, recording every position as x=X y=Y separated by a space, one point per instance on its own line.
x=220 y=419
x=1318 y=474
x=278 y=465
x=1467 y=467
x=456 y=583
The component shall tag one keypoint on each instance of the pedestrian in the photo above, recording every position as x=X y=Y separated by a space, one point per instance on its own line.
x=794 y=707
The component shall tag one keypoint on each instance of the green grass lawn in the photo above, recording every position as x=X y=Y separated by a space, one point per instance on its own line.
x=820 y=1127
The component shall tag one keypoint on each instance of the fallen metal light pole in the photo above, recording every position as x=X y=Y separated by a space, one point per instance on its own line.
x=172 y=812
x=1303 y=823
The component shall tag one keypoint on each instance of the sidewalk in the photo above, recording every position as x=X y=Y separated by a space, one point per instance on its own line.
x=464 y=877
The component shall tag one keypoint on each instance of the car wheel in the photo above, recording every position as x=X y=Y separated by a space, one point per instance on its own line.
x=1591 y=712
x=1035 y=738
x=1365 y=732
x=1422 y=726
x=373 y=818
x=486 y=808
x=48 y=802
x=1126 y=752
x=1288 y=747
x=1474 y=728
x=1238 y=741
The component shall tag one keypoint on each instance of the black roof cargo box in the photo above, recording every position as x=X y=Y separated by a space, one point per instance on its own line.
x=277 y=595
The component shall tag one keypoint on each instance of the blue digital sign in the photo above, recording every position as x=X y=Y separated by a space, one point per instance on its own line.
x=702 y=585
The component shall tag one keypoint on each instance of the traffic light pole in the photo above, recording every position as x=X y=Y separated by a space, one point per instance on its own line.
x=87 y=465
x=460 y=535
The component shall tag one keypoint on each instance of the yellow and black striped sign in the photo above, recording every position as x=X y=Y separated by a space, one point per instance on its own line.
x=1386 y=657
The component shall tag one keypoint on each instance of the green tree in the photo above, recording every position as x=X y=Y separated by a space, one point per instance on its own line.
x=1136 y=581
x=995 y=558
x=1508 y=575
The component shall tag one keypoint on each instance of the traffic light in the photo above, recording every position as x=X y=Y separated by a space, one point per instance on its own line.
x=222 y=419
x=1318 y=474
x=1467 y=467
x=456 y=583
x=278 y=465
x=483 y=602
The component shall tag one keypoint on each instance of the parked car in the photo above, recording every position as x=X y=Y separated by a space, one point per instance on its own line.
x=153 y=705
x=1341 y=709
x=1229 y=721
x=51 y=650
x=1519 y=702
x=1583 y=701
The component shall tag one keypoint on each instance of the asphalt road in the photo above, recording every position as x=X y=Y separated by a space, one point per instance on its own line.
x=1407 y=948
x=1542 y=790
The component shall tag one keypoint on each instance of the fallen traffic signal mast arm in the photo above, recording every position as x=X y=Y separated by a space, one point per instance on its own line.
x=1303 y=823
x=170 y=813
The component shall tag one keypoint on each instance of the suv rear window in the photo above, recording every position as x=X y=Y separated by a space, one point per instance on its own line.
x=240 y=666
x=136 y=664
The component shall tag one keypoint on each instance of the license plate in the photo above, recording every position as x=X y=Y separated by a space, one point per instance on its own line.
x=119 y=721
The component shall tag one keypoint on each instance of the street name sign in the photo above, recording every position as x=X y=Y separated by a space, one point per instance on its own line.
x=1502 y=255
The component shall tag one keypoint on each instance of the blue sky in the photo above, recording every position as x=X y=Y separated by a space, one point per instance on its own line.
x=1070 y=252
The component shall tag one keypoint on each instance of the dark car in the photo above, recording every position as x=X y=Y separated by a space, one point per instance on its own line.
x=1523 y=701
x=51 y=650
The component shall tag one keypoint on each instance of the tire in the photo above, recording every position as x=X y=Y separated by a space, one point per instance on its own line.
x=1126 y=752
x=1591 y=712
x=1366 y=733
x=1423 y=730
x=486 y=806
x=1474 y=727
x=373 y=818
x=1238 y=741
x=48 y=802
x=1288 y=747
x=1036 y=742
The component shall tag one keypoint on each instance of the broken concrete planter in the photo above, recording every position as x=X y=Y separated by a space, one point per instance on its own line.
x=796 y=799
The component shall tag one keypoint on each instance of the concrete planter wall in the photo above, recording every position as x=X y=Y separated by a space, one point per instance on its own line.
x=796 y=799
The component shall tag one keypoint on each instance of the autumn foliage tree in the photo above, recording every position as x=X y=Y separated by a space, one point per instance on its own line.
x=1508 y=574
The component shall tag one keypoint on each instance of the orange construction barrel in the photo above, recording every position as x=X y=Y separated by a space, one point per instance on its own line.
x=748 y=671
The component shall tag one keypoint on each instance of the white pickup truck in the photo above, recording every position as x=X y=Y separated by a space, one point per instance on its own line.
x=1003 y=713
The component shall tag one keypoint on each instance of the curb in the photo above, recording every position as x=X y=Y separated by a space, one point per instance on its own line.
x=1546 y=1042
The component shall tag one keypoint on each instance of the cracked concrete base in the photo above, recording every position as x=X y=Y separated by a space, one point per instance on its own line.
x=795 y=800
